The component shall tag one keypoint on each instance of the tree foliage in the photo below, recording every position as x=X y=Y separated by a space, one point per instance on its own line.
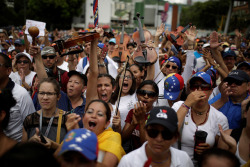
x=56 y=13
x=206 y=15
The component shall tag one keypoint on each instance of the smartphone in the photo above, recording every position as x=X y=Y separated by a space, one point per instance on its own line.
x=43 y=140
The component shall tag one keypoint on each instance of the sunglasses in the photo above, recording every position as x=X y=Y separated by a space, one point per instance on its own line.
x=199 y=45
x=166 y=134
x=145 y=92
x=173 y=67
x=50 y=57
x=204 y=87
x=236 y=82
x=24 y=61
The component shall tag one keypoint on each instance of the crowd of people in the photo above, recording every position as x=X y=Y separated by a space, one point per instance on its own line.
x=86 y=106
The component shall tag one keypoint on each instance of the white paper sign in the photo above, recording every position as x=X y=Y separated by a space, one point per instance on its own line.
x=40 y=25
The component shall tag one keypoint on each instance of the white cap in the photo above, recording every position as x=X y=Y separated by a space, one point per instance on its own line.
x=24 y=54
x=206 y=45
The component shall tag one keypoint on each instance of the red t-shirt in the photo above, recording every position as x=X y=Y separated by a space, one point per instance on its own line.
x=135 y=136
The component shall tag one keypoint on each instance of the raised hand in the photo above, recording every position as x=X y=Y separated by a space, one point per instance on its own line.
x=35 y=51
x=139 y=111
x=191 y=33
x=22 y=75
x=207 y=55
x=72 y=121
x=100 y=31
x=227 y=139
x=160 y=30
x=214 y=40
x=225 y=92
x=116 y=122
x=194 y=97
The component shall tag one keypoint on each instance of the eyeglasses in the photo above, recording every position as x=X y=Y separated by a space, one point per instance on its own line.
x=236 y=82
x=24 y=62
x=49 y=94
x=145 y=92
x=204 y=87
x=128 y=77
x=50 y=57
x=199 y=45
x=166 y=134
x=173 y=67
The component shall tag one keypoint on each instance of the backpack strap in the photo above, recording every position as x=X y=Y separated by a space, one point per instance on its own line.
x=59 y=127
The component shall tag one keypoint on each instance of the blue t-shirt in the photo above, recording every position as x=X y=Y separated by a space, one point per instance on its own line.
x=231 y=111
x=79 y=110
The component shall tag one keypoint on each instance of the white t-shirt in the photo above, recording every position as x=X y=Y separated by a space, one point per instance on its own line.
x=126 y=104
x=64 y=66
x=80 y=68
x=138 y=158
x=18 y=113
x=15 y=77
x=161 y=101
x=215 y=117
x=112 y=115
x=112 y=67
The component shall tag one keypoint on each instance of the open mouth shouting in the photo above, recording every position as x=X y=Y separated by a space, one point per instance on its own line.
x=92 y=125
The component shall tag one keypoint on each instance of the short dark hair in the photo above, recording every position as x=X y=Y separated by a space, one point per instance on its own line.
x=108 y=111
x=112 y=80
x=7 y=60
x=131 y=44
x=222 y=154
x=6 y=102
x=149 y=82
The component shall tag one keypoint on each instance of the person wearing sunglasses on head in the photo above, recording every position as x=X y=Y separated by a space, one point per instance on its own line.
x=234 y=90
x=161 y=131
x=133 y=131
x=49 y=59
x=23 y=76
x=195 y=114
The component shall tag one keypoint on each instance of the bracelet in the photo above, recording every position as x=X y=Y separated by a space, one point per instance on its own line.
x=184 y=105
x=101 y=65
x=217 y=66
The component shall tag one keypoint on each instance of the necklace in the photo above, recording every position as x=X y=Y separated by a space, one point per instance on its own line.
x=204 y=119
x=201 y=113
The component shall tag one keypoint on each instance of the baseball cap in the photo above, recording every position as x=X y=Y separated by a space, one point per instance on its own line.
x=24 y=54
x=83 y=141
x=244 y=63
x=82 y=76
x=48 y=50
x=206 y=45
x=19 y=42
x=237 y=75
x=164 y=116
x=112 y=40
x=225 y=44
x=229 y=53
x=204 y=76
x=175 y=60
x=101 y=45
x=173 y=84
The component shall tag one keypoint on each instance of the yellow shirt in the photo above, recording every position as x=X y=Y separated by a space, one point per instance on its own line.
x=110 y=141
